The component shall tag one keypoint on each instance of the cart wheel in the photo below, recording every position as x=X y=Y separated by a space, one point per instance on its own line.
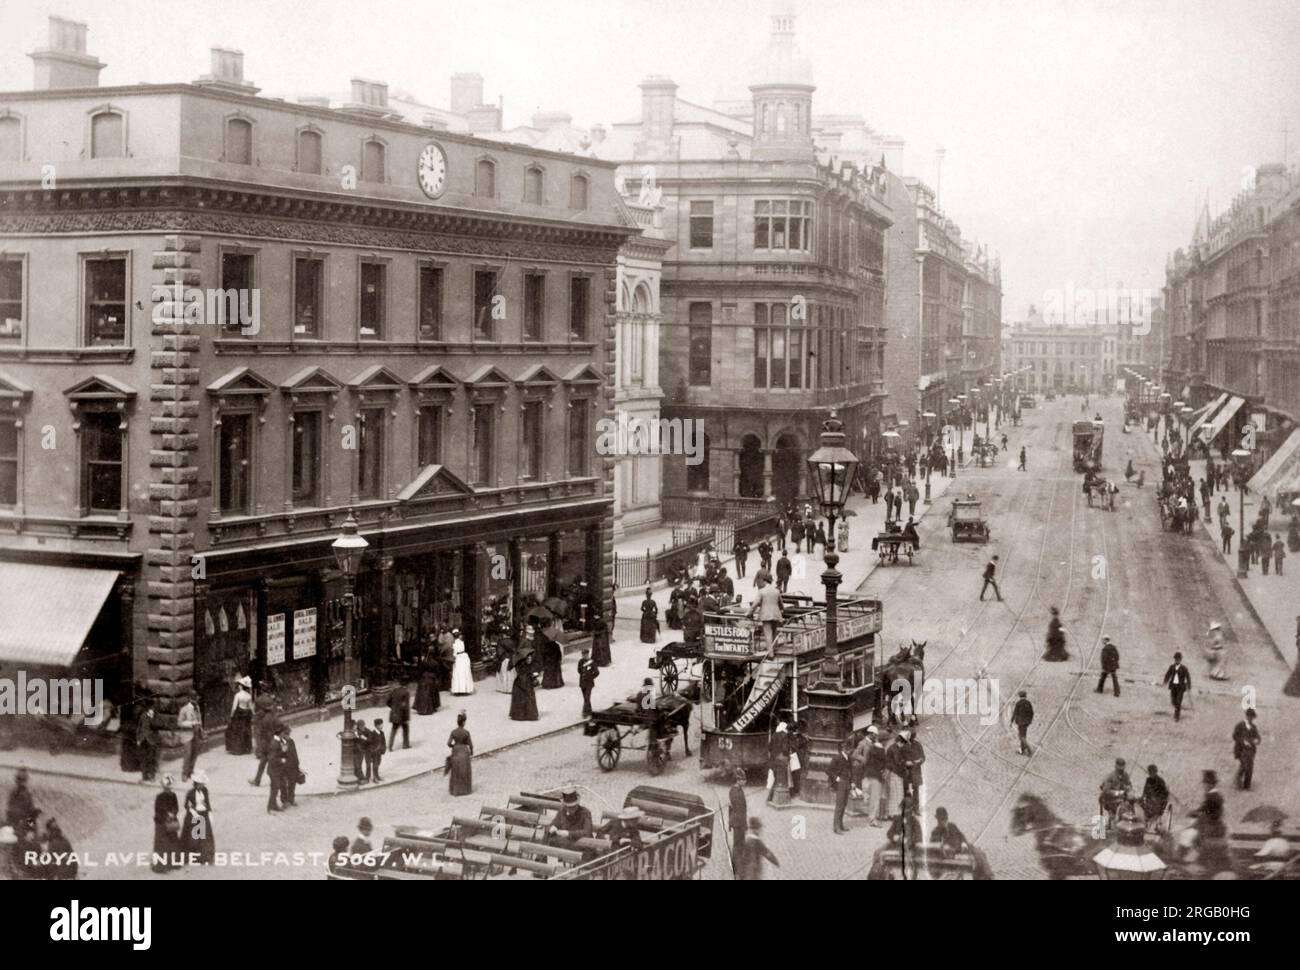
x=608 y=748
x=668 y=673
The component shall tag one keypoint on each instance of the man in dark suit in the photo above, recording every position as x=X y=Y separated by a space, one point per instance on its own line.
x=765 y=555
x=1109 y=665
x=276 y=765
x=840 y=775
x=573 y=821
x=783 y=571
x=1022 y=715
x=1245 y=742
x=1179 y=681
x=741 y=551
x=292 y=769
x=737 y=814
x=399 y=715
x=587 y=674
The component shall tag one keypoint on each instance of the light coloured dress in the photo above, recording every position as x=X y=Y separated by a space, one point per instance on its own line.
x=462 y=678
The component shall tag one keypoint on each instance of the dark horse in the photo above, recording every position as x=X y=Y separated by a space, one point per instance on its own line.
x=900 y=682
x=677 y=717
x=1064 y=850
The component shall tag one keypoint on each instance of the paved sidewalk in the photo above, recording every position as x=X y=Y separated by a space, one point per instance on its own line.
x=487 y=710
x=1275 y=599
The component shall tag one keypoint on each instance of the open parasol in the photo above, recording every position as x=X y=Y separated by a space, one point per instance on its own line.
x=557 y=606
x=1267 y=814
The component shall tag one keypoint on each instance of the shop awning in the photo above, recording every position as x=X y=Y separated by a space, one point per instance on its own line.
x=1281 y=469
x=1199 y=415
x=46 y=612
x=1205 y=414
x=1211 y=428
x=768 y=681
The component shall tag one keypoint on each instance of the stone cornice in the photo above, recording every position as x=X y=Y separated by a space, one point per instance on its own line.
x=267 y=213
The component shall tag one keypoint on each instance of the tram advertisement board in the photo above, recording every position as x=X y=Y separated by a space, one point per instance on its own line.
x=848 y=626
x=675 y=856
x=721 y=638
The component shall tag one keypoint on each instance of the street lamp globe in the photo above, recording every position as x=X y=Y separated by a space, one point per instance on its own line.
x=832 y=467
x=1129 y=857
x=349 y=548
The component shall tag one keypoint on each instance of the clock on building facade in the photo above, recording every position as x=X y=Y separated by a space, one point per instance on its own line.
x=432 y=170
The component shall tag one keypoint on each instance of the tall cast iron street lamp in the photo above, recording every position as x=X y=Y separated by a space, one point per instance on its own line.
x=832 y=467
x=928 y=417
x=348 y=550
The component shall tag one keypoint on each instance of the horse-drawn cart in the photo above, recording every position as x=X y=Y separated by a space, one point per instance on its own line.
x=627 y=725
x=890 y=546
x=966 y=519
x=675 y=659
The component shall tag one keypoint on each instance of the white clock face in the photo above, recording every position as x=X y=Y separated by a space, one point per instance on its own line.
x=433 y=171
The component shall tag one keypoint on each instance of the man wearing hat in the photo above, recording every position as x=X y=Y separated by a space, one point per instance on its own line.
x=840 y=775
x=749 y=861
x=21 y=809
x=948 y=837
x=573 y=821
x=1210 y=830
x=1022 y=715
x=1245 y=742
x=908 y=756
x=189 y=725
x=587 y=674
x=626 y=829
x=1109 y=666
x=906 y=817
x=1116 y=788
x=1155 y=796
x=361 y=844
x=1179 y=681
x=737 y=813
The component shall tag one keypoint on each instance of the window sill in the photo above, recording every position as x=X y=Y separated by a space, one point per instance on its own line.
x=70 y=355
x=96 y=526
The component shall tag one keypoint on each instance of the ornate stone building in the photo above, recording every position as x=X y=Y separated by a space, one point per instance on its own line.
x=231 y=321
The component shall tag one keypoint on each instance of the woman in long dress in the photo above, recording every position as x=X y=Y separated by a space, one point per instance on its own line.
x=427 y=699
x=166 y=821
x=600 y=642
x=505 y=672
x=843 y=538
x=461 y=779
x=552 y=664
x=462 y=678
x=196 y=835
x=523 y=699
x=649 y=618
x=239 y=732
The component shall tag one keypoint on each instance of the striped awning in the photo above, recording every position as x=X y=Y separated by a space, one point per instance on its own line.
x=1204 y=414
x=1281 y=470
x=46 y=612
x=1210 y=430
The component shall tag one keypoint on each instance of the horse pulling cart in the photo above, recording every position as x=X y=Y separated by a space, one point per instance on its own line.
x=627 y=725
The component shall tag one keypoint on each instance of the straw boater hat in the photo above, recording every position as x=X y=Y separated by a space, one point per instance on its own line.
x=630 y=814
x=246 y=682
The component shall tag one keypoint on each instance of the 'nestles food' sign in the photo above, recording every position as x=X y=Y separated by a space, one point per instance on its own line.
x=721 y=638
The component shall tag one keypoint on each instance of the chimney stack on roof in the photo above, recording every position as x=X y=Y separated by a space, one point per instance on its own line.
x=227 y=72
x=65 y=63
x=368 y=98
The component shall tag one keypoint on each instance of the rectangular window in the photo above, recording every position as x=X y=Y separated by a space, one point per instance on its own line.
x=778 y=357
x=235 y=457
x=370 y=454
x=760 y=345
x=796 y=359
x=8 y=462
x=782 y=225
x=236 y=276
x=532 y=443
x=579 y=286
x=579 y=421
x=700 y=362
x=101 y=461
x=701 y=225
x=374 y=283
x=429 y=435
x=534 y=305
x=306 y=458
x=106 y=301
x=11 y=298
x=430 y=303
x=485 y=284
x=483 y=429
x=308 y=292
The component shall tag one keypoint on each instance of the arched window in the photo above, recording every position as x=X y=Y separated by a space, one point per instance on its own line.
x=533 y=185
x=309 y=152
x=697 y=476
x=373 y=160
x=239 y=141
x=485 y=178
x=107 y=135
x=578 y=192
x=11 y=139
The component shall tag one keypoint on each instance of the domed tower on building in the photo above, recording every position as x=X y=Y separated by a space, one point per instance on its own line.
x=782 y=90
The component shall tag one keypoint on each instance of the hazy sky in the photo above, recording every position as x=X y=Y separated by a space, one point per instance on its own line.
x=1082 y=135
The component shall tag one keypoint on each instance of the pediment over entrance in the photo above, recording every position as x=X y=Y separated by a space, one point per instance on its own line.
x=434 y=481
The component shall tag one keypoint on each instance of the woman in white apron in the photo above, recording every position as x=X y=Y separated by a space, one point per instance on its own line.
x=462 y=678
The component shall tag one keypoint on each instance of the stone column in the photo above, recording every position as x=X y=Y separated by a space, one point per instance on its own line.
x=767 y=472
x=173 y=414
